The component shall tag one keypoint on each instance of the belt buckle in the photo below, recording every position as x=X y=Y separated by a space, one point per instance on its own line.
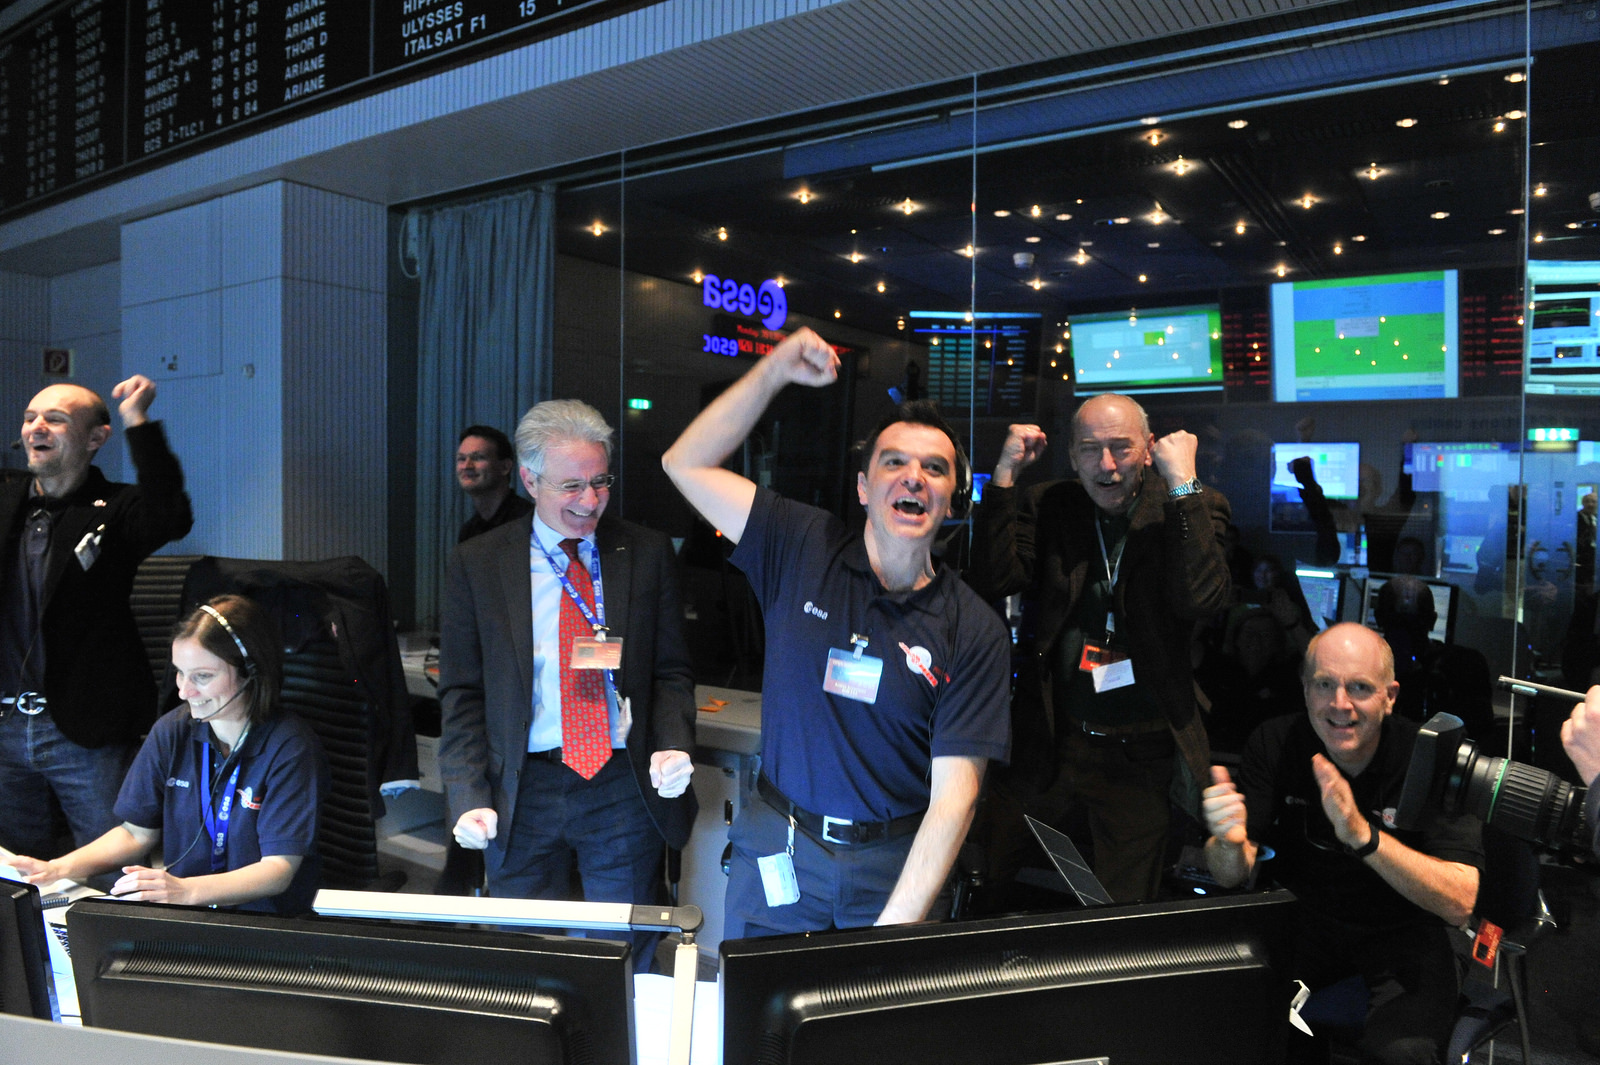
x=828 y=823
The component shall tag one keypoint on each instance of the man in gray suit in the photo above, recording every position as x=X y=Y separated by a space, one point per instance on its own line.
x=568 y=702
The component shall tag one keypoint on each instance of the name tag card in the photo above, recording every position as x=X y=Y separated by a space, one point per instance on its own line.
x=852 y=677
x=1116 y=675
x=589 y=653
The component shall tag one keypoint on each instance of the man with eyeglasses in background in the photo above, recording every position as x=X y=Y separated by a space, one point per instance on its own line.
x=565 y=684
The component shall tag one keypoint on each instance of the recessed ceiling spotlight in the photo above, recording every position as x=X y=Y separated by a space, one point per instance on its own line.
x=1373 y=172
x=969 y=251
x=1540 y=190
x=1238 y=227
x=1338 y=249
x=1439 y=215
x=1514 y=115
x=1149 y=120
x=1445 y=80
x=1121 y=220
x=1157 y=216
x=780 y=281
x=1280 y=244
x=1515 y=210
x=907 y=207
x=1574 y=225
x=1063 y=217
x=599 y=228
x=1157 y=243
x=855 y=256
x=722 y=233
x=1238 y=123
x=1037 y=284
x=880 y=286
x=1516 y=77
x=1182 y=166
x=1034 y=211
x=1538 y=238
x=1031 y=240
x=698 y=277
x=1002 y=213
x=1155 y=137
x=1082 y=258
x=1306 y=201
x=1497 y=232
x=1359 y=237
x=1499 y=126
x=804 y=196
x=1216 y=244
x=1143 y=278
x=1405 y=123
x=1282 y=269
x=838 y=313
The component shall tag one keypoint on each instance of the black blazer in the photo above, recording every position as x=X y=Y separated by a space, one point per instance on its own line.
x=97 y=675
x=486 y=668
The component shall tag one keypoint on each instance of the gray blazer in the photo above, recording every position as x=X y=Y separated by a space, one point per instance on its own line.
x=486 y=669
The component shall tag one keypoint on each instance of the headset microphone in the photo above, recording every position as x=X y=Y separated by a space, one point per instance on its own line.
x=225 y=703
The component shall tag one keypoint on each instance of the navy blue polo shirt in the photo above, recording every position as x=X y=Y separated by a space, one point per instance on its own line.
x=844 y=758
x=282 y=778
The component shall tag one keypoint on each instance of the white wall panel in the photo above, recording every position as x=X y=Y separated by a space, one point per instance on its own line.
x=86 y=302
x=178 y=253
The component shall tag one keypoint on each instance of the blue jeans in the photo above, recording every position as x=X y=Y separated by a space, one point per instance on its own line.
x=840 y=887
x=36 y=761
x=602 y=824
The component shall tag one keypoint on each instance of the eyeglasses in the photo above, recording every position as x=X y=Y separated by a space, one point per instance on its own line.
x=601 y=483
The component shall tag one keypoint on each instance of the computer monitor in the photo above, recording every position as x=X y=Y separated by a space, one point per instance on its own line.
x=350 y=988
x=1336 y=468
x=1200 y=980
x=1351 y=338
x=1444 y=606
x=1161 y=349
x=27 y=987
x=1324 y=592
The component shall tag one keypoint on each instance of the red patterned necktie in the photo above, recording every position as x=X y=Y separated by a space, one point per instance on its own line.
x=585 y=726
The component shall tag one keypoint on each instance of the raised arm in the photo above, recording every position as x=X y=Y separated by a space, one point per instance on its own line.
x=1448 y=889
x=694 y=461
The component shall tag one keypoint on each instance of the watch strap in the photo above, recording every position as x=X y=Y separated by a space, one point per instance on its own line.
x=1371 y=845
x=1187 y=488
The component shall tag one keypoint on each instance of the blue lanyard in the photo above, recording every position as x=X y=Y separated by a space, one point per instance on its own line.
x=596 y=623
x=217 y=820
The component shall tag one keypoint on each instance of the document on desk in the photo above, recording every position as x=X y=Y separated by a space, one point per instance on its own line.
x=652 y=1020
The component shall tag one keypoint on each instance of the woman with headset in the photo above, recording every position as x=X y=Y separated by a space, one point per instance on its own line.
x=228 y=782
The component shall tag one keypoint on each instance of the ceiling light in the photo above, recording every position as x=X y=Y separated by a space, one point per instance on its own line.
x=880 y=286
x=1157 y=243
x=1034 y=210
x=1216 y=244
x=1574 y=225
x=1444 y=80
x=1002 y=213
x=1405 y=123
x=1238 y=227
x=1182 y=166
x=855 y=256
x=698 y=277
x=1338 y=249
x=1063 y=217
x=1372 y=172
x=1282 y=269
x=1497 y=232
x=900 y=324
x=1149 y=120
x=1540 y=190
x=804 y=196
x=780 y=281
x=1157 y=216
x=598 y=228
x=1538 y=238
x=1238 y=123
x=1143 y=278
x=1121 y=220
x=722 y=234
x=1155 y=137
x=1306 y=201
x=1499 y=126
x=1031 y=240
x=1082 y=258
x=969 y=251
x=1516 y=77
x=1439 y=215
x=838 y=313
x=907 y=207
x=1037 y=284
x=1515 y=210
x=1359 y=237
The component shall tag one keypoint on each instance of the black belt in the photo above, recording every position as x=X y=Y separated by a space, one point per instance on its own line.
x=554 y=754
x=1120 y=732
x=29 y=703
x=838 y=831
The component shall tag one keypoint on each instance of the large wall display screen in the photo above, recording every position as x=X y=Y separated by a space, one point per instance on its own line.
x=90 y=86
x=1564 y=336
x=986 y=362
x=1170 y=349
x=1387 y=337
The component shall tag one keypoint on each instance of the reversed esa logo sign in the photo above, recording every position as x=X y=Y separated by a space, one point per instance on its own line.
x=725 y=294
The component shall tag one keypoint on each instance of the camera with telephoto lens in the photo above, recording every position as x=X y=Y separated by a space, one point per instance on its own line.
x=1448 y=773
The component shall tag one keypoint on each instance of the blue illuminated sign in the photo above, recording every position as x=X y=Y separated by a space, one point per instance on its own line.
x=725 y=294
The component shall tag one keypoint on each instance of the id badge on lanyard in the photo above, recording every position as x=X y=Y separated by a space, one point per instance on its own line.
x=1109 y=667
x=853 y=674
x=599 y=651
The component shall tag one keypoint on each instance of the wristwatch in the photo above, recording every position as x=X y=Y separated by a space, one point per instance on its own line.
x=1367 y=848
x=1191 y=487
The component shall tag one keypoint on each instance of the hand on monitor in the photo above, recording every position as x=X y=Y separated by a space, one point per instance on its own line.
x=475 y=828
